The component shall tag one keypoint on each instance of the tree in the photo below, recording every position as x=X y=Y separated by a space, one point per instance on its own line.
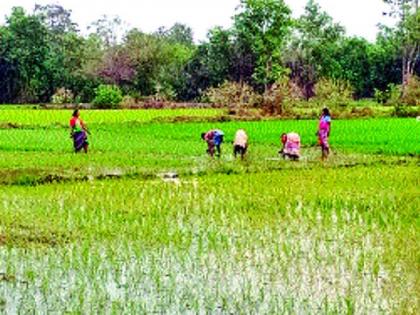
x=385 y=60
x=65 y=50
x=407 y=11
x=179 y=33
x=264 y=25
x=25 y=48
x=109 y=29
x=9 y=72
x=56 y=18
x=210 y=65
x=354 y=63
x=117 y=67
x=411 y=44
x=312 y=50
x=149 y=53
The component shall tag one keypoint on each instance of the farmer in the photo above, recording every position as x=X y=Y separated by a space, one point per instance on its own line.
x=291 y=146
x=323 y=133
x=214 y=139
x=240 y=143
x=78 y=132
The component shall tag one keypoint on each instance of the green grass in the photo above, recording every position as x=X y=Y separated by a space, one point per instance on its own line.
x=59 y=118
x=138 y=145
x=259 y=236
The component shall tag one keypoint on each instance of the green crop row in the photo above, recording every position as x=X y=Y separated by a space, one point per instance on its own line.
x=106 y=232
x=43 y=118
x=319 y=240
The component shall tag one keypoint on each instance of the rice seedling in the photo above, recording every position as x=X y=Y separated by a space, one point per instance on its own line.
x=258 y=236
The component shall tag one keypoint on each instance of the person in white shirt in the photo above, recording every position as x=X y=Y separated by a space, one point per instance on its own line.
x=240 y=144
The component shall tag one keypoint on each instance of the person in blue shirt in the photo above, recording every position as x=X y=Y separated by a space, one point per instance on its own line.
x=218 y=140
x=214 y=139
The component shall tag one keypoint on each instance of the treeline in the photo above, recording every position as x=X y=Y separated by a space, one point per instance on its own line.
x=43 y=56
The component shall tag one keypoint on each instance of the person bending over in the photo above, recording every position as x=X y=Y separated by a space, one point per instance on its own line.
x=240 y=143
x=291 y=146
x=214 y=139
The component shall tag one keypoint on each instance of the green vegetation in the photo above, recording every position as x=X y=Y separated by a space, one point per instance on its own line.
x=107 y=232
x=143 y=143
x=107 y=96
x=116 y=232
x=312 y=240
x=44 y=58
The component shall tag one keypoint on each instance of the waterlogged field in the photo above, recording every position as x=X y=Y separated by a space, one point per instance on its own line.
x=103 y=233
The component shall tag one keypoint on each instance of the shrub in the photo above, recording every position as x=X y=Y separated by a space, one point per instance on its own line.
x=233 y=94
x=281 y=97
x=276 y=97
x=164 y=92
x=380 y=97
x=393 y=94
x=362 y=112
x=136 y=95
x=62 y=96
x=406 y=111
x=107 y=96
x=336 y=92
x=153 y=104
x=128 y=102
x=411 y=95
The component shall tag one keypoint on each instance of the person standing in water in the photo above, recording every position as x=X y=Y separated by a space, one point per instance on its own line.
x=324 y=130
x=78 y=132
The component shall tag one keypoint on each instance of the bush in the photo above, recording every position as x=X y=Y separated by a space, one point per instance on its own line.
x=62 y=96
x=406 y=111
x=362 y=112
x=233 y=94
x=336 y=92
x=280 y=97
x=107 y=96
x=393 y=94
x=128 y=102
x=136 y=95
x=164 y=92
x=380 y=96
x=411 y=95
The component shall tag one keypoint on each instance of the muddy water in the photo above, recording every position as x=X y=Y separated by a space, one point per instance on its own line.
x=289 y=270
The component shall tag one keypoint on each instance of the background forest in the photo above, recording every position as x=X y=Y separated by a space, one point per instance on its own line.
x=266 y=57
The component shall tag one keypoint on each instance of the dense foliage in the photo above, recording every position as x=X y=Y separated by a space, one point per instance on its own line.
x=107 y=96
x=43 y=51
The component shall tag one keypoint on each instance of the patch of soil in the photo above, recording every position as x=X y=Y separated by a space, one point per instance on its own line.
x=27 y=235
x=6 y=277
x=8 y=125
x=2 y=239
x=198 y=119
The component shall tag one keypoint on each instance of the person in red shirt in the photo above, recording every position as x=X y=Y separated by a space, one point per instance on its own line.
x=209 y=138
x=214 y=139
x=78 y=132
